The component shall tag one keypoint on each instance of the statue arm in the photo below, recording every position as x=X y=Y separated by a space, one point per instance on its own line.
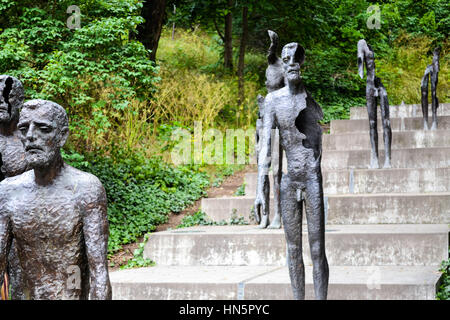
x=5 y=239
x=362 y=49
x=96 y=231
x=264 y=161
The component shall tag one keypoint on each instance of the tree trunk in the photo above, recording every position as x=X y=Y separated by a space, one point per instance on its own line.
x=149 y=32
x=240 y=70
x=228 y=56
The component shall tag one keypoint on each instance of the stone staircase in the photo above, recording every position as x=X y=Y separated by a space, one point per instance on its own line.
x=387 y=229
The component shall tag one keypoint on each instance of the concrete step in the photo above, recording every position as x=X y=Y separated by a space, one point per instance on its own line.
x=400 y=158
x=373 y=181
x=271 y=283
x=400 y=140
x=346 y=245
x=401 y=111
x=387 y=208
x=397 y=124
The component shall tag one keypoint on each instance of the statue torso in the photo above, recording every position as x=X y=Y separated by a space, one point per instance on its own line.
x=47 y=225
x=300 y=134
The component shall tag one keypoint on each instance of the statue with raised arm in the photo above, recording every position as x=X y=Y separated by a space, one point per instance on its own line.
x=431 y=73
x=375 y=90
x=274 y=81
x=12 y=163
x=296 y=114
x=56 y=214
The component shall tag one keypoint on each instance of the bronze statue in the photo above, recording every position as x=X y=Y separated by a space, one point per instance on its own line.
x=56 y=214
x=12 y=163
x=431 y=73
x=274 y=81
x=295 y=113
x=374 y=90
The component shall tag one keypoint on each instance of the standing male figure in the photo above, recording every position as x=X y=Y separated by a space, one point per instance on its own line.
x=274 y=81
x=55 y=213
x=12 y=163
x=374 y=90
x=295 y=113
x=431 y=73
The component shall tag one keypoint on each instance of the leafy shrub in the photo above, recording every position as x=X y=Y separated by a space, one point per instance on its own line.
x=200 y=218
x=141 y=192
x=138 y=260
x=444 y=289
x=94 y=71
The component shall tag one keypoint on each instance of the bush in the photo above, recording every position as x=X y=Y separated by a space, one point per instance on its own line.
x=141 y=192
x=94 y=71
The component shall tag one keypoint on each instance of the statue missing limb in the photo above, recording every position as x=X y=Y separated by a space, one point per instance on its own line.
x=295 y=113
x=375 y=90
x=13 y=163
x=431 y=73
x=55 y=213
x=274 y=81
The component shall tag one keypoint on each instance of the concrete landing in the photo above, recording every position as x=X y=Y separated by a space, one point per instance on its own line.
x=371 y=208
x=400 y=140
x=349 y=181
x=346 y=245
x=397 y=124
x=402 y=111
x=240 y=282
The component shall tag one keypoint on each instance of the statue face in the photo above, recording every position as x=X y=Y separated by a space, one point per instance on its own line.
x=293 y=56
x=43 y=133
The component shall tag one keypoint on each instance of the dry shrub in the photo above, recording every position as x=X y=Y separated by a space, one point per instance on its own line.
x=186 y=97
x=402 y=71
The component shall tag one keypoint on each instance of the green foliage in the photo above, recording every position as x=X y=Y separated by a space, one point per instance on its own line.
x=141 y=192
x=444 y=289
x=240 y=191
x=138 y=260
x=94 y=71
x=200 y=218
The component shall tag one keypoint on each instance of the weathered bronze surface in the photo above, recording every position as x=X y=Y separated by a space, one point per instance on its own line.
x=12 y=161
x=274 y=81
x=294 y=112
x=56 y=214
x=374 y=90
x=431 y=74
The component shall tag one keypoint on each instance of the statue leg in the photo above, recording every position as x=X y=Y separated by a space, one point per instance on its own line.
x=372 y=112
x=277 y=166
x=387 y=132
x=15 y=274
x=315 y=215
x=434 y=106
x=292 y=221
x=424 y=90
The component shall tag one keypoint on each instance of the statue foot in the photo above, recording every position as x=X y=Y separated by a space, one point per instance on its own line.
x=434 y=126
x=387 y=165
x=264 y=222
x=425 y=125
x=374 y=164
x=276 y=223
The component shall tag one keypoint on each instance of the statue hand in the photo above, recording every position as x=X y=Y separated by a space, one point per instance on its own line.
x=261 y=206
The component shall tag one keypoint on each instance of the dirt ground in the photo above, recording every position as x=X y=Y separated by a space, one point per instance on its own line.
x=227 y=188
